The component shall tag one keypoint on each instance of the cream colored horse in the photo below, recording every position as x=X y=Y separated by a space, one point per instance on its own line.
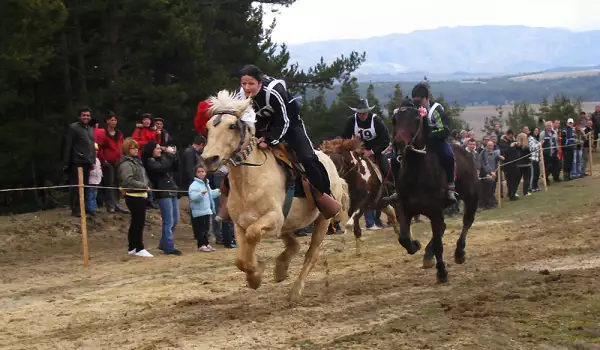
x=257 y=194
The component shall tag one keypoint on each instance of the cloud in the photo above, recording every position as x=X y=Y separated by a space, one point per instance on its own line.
x=318 y=20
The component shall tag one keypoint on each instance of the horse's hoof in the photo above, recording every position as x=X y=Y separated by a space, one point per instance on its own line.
x=254 y=280
x=460 y=258
x=281 y=272
x=295 y=292
x=411 y=246
x=428 y=263
x=442 y=278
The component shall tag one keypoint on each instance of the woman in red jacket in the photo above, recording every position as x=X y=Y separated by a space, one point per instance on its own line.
x=110 y=142
x=145 y=131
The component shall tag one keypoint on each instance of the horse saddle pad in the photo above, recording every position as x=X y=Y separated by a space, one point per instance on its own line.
x=293 y=169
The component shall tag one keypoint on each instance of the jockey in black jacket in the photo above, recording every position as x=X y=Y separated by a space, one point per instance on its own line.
x=371 y=129
x=278 y=120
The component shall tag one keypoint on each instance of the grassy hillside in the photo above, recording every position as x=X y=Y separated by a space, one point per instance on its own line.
x=493 y=91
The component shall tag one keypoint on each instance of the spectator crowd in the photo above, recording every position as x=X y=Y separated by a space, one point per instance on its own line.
x=147 y=170
x=154 y=175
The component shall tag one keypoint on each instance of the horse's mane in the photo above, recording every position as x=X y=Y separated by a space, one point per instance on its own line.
x=226 y=101
x=354 y=144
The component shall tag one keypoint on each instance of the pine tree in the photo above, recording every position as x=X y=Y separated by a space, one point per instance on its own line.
x=373 y=101
x=543 y=112
x=521 y=115
x=395 y=101
x=489 y=124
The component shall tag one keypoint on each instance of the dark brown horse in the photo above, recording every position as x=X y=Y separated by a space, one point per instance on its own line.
x=421 y=186
x=366 y=183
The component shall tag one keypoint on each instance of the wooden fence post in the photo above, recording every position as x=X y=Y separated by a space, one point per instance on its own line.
x=498 y=184
x=84 y=240
x=590 y=161
x=543 y=167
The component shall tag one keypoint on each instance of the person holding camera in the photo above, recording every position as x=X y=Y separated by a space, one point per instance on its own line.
x=160 y=167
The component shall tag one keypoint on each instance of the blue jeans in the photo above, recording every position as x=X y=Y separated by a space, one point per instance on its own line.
x=91 y=204
x=169 y=212
x=373 y=217
x=576 y=170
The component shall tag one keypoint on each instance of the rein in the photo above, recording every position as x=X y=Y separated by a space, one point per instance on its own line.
x=245 y=147
x=410 y=146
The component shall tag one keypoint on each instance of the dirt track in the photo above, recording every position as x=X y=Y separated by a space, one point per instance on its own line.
x=531 y=281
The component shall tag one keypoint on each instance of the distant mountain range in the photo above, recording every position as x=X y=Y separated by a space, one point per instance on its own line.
x=461 y=52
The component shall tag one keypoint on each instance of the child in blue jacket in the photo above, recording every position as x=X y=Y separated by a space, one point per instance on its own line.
x=202 y=206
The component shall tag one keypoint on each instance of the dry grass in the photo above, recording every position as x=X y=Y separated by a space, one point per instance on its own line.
x=557 y=75
x=381 y=300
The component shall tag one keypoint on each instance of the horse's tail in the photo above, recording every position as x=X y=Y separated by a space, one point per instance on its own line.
x=342 y=216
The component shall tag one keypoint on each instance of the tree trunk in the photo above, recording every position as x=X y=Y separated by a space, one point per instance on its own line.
x=79 y=49
x=67 y=86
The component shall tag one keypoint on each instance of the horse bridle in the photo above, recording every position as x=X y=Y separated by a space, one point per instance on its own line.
x=410 y=146
x=245 y=147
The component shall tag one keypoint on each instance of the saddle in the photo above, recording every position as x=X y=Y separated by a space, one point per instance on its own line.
x=297 y=185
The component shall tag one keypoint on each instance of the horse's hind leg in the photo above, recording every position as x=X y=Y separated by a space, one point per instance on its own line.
x=310 y=258
x=282 y=263
x=357 y=230
x=468 y=219
x=438 y=227
x=389 y=211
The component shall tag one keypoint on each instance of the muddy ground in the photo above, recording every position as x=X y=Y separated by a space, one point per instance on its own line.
x=531 y=281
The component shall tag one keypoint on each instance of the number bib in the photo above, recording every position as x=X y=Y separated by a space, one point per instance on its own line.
x=365 y=134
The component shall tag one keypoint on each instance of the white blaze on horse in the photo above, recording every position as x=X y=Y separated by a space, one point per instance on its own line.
x=259 y=185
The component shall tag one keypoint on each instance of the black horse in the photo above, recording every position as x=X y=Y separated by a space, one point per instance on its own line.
x=421 y=188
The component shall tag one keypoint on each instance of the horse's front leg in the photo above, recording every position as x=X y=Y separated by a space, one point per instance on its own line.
x=438 y=227
x=253 y=267
x=310 y=258
x=405 y=239
x=429 y=257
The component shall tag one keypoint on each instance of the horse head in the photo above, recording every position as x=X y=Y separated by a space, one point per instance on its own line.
x=343 y=152
x=409 y=126
x=228 y=134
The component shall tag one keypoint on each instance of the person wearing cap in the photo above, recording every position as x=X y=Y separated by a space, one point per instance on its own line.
x=568 y=149
x=376 y=138
x=164 y=137
x=371 y=130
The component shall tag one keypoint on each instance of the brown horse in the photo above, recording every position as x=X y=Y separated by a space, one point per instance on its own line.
x=366 y=184
x=421 y=188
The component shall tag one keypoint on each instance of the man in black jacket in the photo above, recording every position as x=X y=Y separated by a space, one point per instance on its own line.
x=79 y=152
x=596 y=124
x=190 y=157
x=371 y=129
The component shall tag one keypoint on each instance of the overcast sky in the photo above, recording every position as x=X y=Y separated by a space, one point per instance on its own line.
x=316 y=20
